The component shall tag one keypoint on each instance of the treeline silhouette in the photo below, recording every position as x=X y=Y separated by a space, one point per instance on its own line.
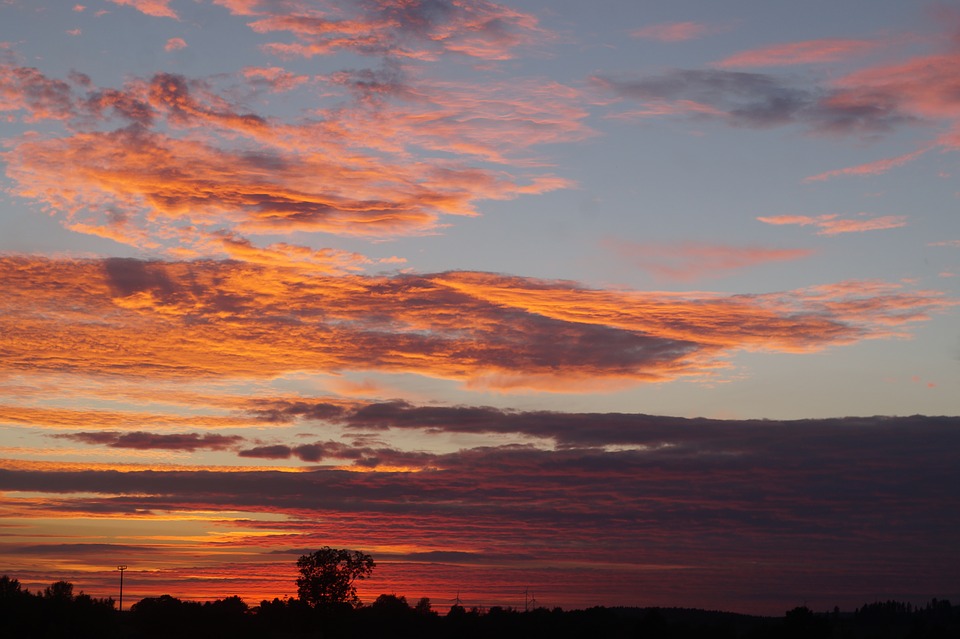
x=56 y=612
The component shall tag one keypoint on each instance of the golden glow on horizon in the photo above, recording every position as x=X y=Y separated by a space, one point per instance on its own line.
x=62 y=466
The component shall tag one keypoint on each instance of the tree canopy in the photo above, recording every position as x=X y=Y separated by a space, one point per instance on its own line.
x=327 y=576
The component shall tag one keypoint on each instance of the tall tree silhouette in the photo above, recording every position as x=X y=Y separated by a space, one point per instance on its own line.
x=327 y=576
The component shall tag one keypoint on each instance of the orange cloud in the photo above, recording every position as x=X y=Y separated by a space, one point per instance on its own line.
x=142 y=174
x=806 y=52
x=79 y=419
x=672 y=31
x=202 y=320
x=693 y=260
x=363 y=172
x=832 y=224
x=283 y=255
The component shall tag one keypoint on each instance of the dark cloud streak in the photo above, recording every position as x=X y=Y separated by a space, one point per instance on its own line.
x=846 y=480
x=759 y=100
x=153 y=441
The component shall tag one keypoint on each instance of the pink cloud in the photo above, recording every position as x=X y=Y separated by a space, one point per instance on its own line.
x=655 y=108
x=672 y=31
x=924 y=85
x=175 y=43
x=156 y=8
x=693 y=260
x=877 y=167
x=877 y=99
x=492 y=122
x=27 y=89
x=806 y=52
x=924 y=88
x=831 y=224
x=397 y=28
x=276 y=79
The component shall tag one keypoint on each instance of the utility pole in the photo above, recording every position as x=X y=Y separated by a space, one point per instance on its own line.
x=121 y=569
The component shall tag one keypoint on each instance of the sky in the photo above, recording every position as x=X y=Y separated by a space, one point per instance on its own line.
x=617 y=303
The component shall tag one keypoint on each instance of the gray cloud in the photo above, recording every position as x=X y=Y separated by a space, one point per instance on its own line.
x=760 y=100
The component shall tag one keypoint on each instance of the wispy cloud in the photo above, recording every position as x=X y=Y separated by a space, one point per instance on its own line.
x=833 y=224
x=392 y=28
x=876 y=167
x=872 y=101
x=692 y=260
x=805 y=52
x=673 y=31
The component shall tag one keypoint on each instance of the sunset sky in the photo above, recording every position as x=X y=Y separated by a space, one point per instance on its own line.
x=622 y=302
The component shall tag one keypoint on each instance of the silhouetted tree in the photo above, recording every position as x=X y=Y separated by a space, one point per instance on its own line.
x=327 y=576
x=391 y=605
x=165 y=615
x=801 y=622
x=290 y=616
x=59 y=591
x=423 y=607
x=10 y=588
